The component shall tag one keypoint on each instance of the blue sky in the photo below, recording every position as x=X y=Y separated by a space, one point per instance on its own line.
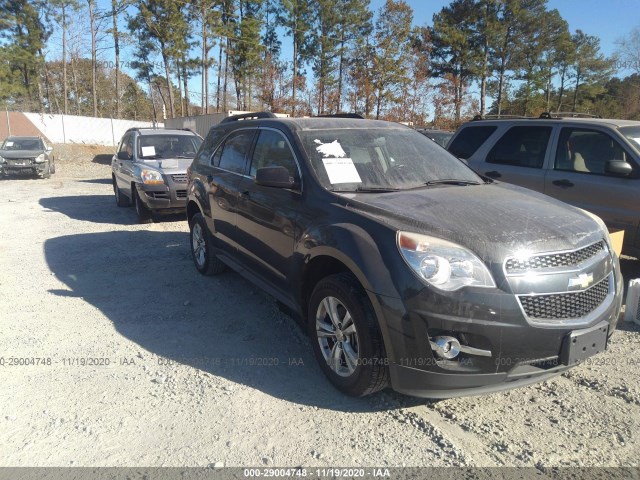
x=609 y=20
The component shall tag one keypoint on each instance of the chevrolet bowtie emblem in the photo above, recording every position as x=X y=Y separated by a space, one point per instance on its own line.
x=582 y=281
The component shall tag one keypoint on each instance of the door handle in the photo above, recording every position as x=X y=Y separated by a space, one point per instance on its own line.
x=493 y=174
x=245 y=194
x=563 y=183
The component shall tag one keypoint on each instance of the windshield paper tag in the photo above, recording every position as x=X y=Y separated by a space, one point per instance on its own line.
x=341 y=170
x=8 y=144
x=148 y=151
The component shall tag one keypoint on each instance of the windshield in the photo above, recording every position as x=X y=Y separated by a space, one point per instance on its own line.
x=393 y=159
x=633 y=134
x=167 y=146
x=441 y=138
x=22 y=144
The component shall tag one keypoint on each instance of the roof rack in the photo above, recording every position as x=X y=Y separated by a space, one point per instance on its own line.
x=343 y=115
x=248 y=116
x=568 y=115
x=497 y=117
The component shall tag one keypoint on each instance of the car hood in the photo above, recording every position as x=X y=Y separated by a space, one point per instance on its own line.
x=494 y=221
x=20 y=153
x=169 y=165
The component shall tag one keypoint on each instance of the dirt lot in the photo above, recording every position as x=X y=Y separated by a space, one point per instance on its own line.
x=134 y=359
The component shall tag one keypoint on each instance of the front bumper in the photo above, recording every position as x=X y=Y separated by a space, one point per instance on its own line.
x=492 y=321
x=170 y=197
x=26 y=167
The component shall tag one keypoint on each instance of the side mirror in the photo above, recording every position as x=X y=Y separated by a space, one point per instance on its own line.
x=619 y=168
x=277 y=177
x=123 y=155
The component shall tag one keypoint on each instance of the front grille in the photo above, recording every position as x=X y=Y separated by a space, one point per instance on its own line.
x=559 y=306
x=181 y=194
x=179 y=178
x=553 y=260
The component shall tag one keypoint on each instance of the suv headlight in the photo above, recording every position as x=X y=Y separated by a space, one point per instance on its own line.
x=443 y=264
x=40 y=158
x=151 y=177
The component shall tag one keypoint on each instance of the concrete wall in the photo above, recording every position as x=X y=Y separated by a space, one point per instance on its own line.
x=196 y=123
x=77 y=129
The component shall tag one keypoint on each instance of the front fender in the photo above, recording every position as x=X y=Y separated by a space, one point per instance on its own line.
x=357 y=249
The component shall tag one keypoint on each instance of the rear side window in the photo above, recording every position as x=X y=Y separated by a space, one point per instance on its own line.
x=232 y=154
x=469 y=140
x=521 y=147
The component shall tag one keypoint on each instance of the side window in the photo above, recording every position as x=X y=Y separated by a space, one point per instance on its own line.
x=587 y=151
x=127 y=145
x=521 y=147
x=231 y=156
x=208 y=146
x=469 y=140
x=272 y=150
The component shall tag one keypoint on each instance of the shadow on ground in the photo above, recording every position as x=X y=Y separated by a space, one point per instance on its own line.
x=103 y=158
x=102 y=181
x=146 y=285
x=99 y=209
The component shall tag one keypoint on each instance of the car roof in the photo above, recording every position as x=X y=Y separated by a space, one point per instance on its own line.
x=18 y=137
x=319 y=123
x=606 y=122
x=162 y=131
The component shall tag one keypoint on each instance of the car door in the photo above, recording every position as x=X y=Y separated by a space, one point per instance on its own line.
x=518 y=156
x=123 y=164
x=229 y=164
x=579 y=177
x=267 y=215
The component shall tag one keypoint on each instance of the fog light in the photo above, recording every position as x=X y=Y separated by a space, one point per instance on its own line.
x=446 y=347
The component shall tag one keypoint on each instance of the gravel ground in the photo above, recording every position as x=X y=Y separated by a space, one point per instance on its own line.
x=134 y=359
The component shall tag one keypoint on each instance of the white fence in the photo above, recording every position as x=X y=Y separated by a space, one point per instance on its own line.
x=76 y=129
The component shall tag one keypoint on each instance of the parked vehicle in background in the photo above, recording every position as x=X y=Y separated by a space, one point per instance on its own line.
x=441 y=137
x=26 y=156
x=591 y=163
x=149 y=170
x=403 y=264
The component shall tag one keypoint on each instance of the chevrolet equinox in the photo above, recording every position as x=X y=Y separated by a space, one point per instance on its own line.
x=404 y=266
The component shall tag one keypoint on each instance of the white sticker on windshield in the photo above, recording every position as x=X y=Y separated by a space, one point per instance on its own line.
x=636 y=139
x=8 y=144
x=148 y=151
x=341 y=170
x=333 y=149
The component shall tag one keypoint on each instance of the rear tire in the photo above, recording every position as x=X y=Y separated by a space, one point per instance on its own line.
x=143 y=213
x=121 y=199
x=202 y=252
x=346 y=337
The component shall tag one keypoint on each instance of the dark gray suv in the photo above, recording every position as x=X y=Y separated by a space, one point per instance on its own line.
x=404 y=266
x=150 y=170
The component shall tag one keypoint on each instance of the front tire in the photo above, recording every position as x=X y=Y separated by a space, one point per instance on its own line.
x=46 y=173
x=143 y=213
x=121 y=199
x=346 y=337
x=204 y=258
x=53 y=165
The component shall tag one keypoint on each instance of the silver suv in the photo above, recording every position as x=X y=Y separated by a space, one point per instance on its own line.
x=149 y=170
x=591 y=163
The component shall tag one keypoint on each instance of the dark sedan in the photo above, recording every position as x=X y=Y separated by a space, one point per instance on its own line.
x=26 y=156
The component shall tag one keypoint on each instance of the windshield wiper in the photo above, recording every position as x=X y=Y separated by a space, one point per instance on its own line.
x=369 y=190
x=451 y=181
